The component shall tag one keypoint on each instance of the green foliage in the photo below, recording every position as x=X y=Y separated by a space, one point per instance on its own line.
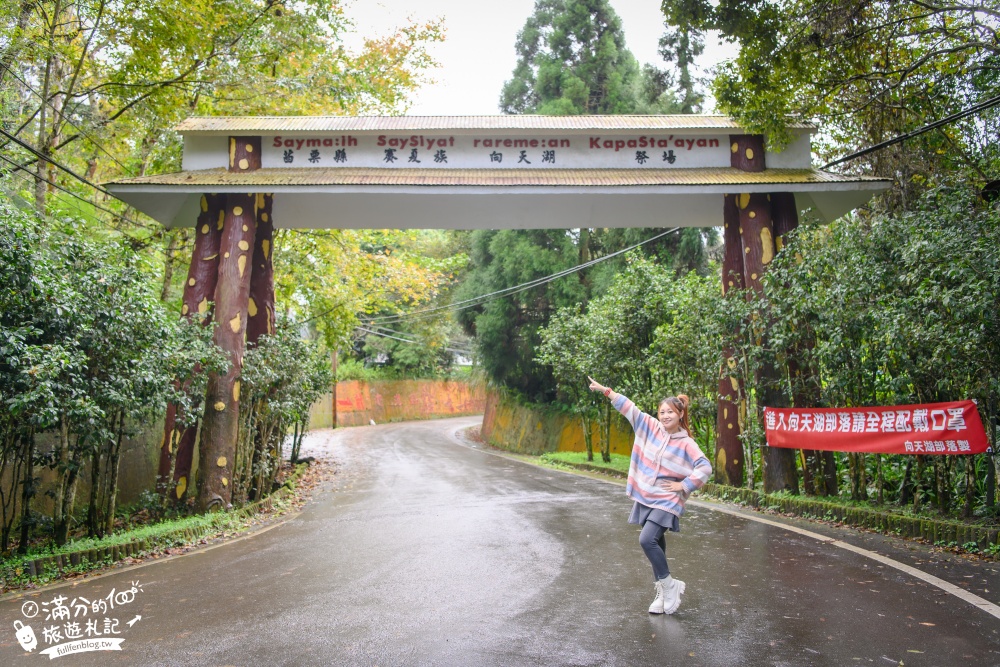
x=619 y=462
x=865 y=72
x=888 y=310
x=282 y=376
x=649 y=336
x=88 y=352
x=572 y=60
x=506 y=330
x=101 y=85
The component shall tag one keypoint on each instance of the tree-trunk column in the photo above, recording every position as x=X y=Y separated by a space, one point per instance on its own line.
x=244 y=154
x=746 y=152
x=757 y=233
x=221 y=422
x=199 y=290
x=728 y=448
x=260 y=307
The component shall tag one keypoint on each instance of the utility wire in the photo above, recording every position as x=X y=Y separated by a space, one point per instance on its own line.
x=409 y=340
x=135 y=240
x=20 y=167
x=72 y=173
x=65 y=118
x=48 y=158
x=485 y=298
x=993 y=101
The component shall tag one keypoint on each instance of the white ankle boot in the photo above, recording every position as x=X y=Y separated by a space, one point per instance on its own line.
x=672 y=591
x=657 y=606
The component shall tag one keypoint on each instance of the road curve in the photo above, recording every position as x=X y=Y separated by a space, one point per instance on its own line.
x=428 y=551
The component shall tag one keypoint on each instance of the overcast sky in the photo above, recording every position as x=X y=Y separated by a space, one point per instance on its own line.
x=477 y=55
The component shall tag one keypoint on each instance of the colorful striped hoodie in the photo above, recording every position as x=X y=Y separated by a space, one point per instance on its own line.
x=658 y=456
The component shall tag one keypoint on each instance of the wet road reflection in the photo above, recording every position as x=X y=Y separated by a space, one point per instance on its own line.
x=429 y=552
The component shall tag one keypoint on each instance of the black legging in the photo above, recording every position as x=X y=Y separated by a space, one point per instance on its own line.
x=652 y=542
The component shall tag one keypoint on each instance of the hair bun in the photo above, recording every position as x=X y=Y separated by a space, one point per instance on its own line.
x=683 y=398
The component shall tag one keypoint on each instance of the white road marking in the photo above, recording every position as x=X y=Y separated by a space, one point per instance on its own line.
x=971 y=598
x=937 y=582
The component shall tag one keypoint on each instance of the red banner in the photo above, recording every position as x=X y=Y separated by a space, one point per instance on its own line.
x=934 y=428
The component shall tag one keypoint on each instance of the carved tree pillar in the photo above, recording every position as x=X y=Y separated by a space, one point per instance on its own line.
x=199 y=290
x=260 y=307
x=220 y=428
x=222 y=401
x=729 y=462
x=747 y=152
x=244 y=154
x=757 y=233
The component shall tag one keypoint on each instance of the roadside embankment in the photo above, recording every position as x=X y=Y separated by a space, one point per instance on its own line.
x=357 y=402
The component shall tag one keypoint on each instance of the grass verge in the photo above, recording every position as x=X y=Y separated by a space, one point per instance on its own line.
x=73 y=559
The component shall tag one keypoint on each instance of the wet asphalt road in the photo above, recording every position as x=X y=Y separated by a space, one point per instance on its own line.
x=426 y=551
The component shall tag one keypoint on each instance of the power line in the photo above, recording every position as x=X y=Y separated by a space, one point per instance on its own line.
x=143 y=242
x=65 y=118
x=409 y=340
x=72 y=173
x=485 y=298
x=48 y=158
x=73 y=194
x=993 y=101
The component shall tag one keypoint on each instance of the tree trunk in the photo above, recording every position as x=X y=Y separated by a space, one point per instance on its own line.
x=918 y=485
x=177 y=446
x=95 y=490
x=27 y=491
x=970 y=487
x=113 y=463
x=260 y=307
x=61 y=530
x=244 y=154
x=333 y=388
x=41 y=165
x=757 y=234
x=60 y=463
x=168 y=265
x=830 y=477
x=293 y=457
x=588 y=436
x=17 y=40
x=991 y=481
x=606 y=435
x=729 y=459
x=906 y=487
x=747 y=152
x=806 y=389
x=221 y=421
x=879 y=480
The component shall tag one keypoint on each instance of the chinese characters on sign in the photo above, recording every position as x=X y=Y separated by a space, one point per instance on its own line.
x=78 y=624
x=507 y=152
x=937 y=428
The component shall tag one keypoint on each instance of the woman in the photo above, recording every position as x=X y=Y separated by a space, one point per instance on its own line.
x=666 y=467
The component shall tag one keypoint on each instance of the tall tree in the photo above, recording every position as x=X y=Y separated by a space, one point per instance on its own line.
x=572 y=60
x=98 y=86
x=507 y=330
x=682 y=42
x=866 y=71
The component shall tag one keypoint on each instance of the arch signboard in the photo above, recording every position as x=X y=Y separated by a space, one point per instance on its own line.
x=242 y=177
